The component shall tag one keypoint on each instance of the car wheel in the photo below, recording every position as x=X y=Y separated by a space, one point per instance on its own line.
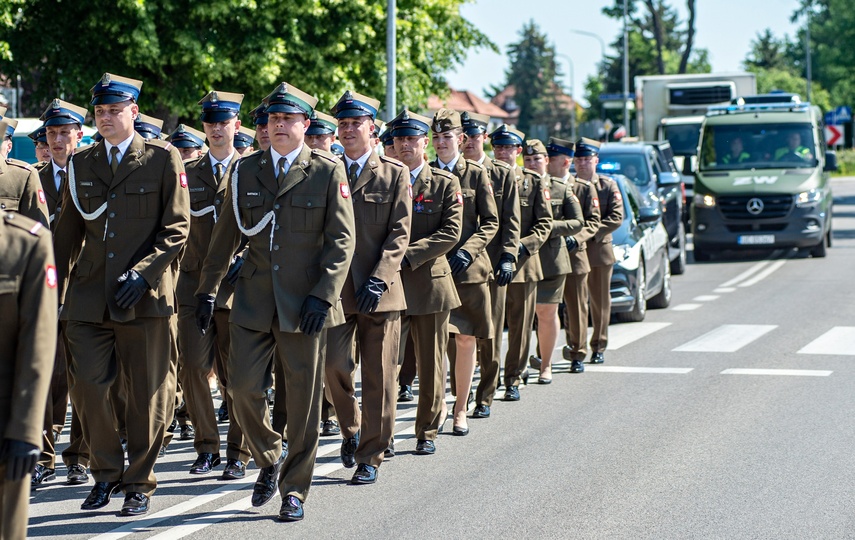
x=678 y=265
x=820 y=250
x=663 y=298
x=701 y=254
x=639 y=308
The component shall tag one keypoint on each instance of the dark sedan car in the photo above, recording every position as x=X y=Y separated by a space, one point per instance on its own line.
x=642 y=274
x=651 y=168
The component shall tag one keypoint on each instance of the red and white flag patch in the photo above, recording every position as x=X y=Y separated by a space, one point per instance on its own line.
x=50 y=277
x=618 y=198
x=410 y=190
x=490 y=188
x=182 y=177
x=546 y=195
x=596 y=202
x=459 y=198
x=42 y=197
x=345 y=190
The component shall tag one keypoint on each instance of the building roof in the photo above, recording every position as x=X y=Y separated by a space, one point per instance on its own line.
x=464 y=100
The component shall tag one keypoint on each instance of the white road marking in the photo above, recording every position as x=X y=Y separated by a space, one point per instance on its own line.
x=727 y=338
x=686 y=307
x=764 y=274
x=722 y=290
x=840 y=340
x=787 y=372
x=706 y=298
x=627 y=369
x=621 y=335
x=745 y=275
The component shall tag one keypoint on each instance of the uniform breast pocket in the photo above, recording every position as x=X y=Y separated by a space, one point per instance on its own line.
x=141 y=199
x=251 y=209
x=426 y=218
x=468 y=201
x=308 y=212
x=9 y=287
x=90 y=197
x=377 y=207
x=199 y=199
x=9 y=204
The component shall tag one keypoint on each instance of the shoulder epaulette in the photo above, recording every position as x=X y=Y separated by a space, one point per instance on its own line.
x=533 y=173
x=581 y=181
x=475 y=164
x=556 y=179
x=192 y=162
x=84 y=148
x=440 y=172
x=393 y=161
x=19 y=163
x=166 y=145
x=501 y=164
x=41 y=165
x=329 y=156
x=22 y=222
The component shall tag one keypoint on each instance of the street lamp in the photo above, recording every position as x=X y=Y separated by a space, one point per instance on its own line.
x=595 y=36
x=391 y=29
x=625 y=70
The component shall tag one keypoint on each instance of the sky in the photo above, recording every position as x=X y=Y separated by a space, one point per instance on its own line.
x=724 y=27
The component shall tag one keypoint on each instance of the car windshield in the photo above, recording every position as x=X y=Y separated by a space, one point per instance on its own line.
x=683 y=138
x=631 y=165
x=757 y=146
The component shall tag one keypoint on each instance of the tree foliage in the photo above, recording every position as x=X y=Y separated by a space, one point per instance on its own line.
x=181 y=49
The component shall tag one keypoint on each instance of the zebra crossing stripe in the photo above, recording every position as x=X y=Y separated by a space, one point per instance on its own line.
x=727 y=338
x=840 y=340
x=785 y=372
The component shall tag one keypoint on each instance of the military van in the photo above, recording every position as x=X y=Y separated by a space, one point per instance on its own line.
x=762 y=179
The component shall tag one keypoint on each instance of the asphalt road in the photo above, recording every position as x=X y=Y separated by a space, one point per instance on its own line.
x=727 y=415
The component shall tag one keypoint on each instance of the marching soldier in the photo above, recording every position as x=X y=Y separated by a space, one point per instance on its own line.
x=207 y=182
x=373 y=295
x=7 y=132
x=39 y=138
x=287 y=291
x=20 y=189
x=601 y=256
x=259 y=120
x=567 y=220
x=244 y=137
x=469 y=260
x=189 y=142
x=321 y=132
x=388 y=142
x=428 y=285
x=535 y=224
x=148 y=127
x=502 y=250
x=126 y=213
x=28 y=325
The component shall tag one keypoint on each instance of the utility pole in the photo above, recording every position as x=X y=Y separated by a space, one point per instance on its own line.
x=807 y=48
x=391 y=54
x=572 y=94
x=625 y=70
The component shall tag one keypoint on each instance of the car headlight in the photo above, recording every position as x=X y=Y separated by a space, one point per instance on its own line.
x=704 y=200
x=621 y=252
x=809 y=198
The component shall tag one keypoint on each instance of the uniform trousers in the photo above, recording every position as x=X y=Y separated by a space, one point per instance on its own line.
x=521 y=299
x=599 y=283
x=576 y=304
x=251 y=359
x=56 y=408
x=143 y=366
x=406 y=355
x=379 y=336
x=490 y=350
x=430 y=341
x=14 y=507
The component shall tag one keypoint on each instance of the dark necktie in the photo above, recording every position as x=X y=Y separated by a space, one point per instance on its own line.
x=114 y=159
x=352 y=173
x=283 y=163
x=219 y=174
x=62 y=178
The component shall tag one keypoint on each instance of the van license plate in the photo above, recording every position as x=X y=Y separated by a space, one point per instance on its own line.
x=755 y=239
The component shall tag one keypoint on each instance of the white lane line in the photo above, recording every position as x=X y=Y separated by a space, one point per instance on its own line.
x=840 y=340
x=686 y=307
x=787 y=372
x=627 y=369
x=764 y=274
x=706 y=298
x=745 y=275
x=622 y=335
x=723 y=290
x=727 y=338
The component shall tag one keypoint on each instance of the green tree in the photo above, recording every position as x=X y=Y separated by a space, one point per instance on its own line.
x=768 y=52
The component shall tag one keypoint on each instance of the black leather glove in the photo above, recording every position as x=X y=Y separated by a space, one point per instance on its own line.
x=368 y=296
x=234 y=270
x=133 y=288
x=505 y=270
x=313 y=315
x=204 y=311
x=20 y=457
x=459 y=262
x=523 y=252
x=571 y=243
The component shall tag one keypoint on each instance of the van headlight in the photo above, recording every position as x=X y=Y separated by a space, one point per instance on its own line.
x=809 y=198
x=621 y=252
x=704 y=200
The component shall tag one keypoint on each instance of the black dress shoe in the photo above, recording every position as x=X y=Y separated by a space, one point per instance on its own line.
x=512 y=394
x=42 y=474
x=76 y=475
x=348 y=451
x=460 y=431
x=205 y=463
x=161 y=452
x=265 y=486
x=99 y=497
x=598 y=358
x=291 y=509
x=481 y=411
x=405 y=393
x=329 y=428
x=535 y=362
x=365 y=474
x=577 y=366
x=173 y=426
x=235 y=469
x=390 y=450
x=136 y=504
x=188 y=433
x=223 y=413
x=425 y=448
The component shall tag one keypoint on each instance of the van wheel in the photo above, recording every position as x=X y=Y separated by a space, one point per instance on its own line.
x=663 y=298
x=639 y=308
x=678 y=265
x=820 y=250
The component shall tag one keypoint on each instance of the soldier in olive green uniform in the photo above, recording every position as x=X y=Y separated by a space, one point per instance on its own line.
x=189 y=142
x=295 y=206
x=7 y=133
x=39 y=138
x=207 y=181
x=259 y=120
x=469 y=260
x=124 y=221
x=28 y=326
x=601 y=256
x=373 y=295
x=428 y=285
x=244 y=137
x=20 y=189
x=567 y=220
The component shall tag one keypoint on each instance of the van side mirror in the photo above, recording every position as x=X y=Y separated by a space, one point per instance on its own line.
x=830 y=161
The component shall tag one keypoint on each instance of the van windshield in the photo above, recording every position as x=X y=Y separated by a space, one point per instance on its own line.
x=683 y=138
x=757 y=146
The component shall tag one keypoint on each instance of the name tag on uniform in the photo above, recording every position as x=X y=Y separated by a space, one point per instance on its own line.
x=196 y=189
x=252 y=193
x=86 y=184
